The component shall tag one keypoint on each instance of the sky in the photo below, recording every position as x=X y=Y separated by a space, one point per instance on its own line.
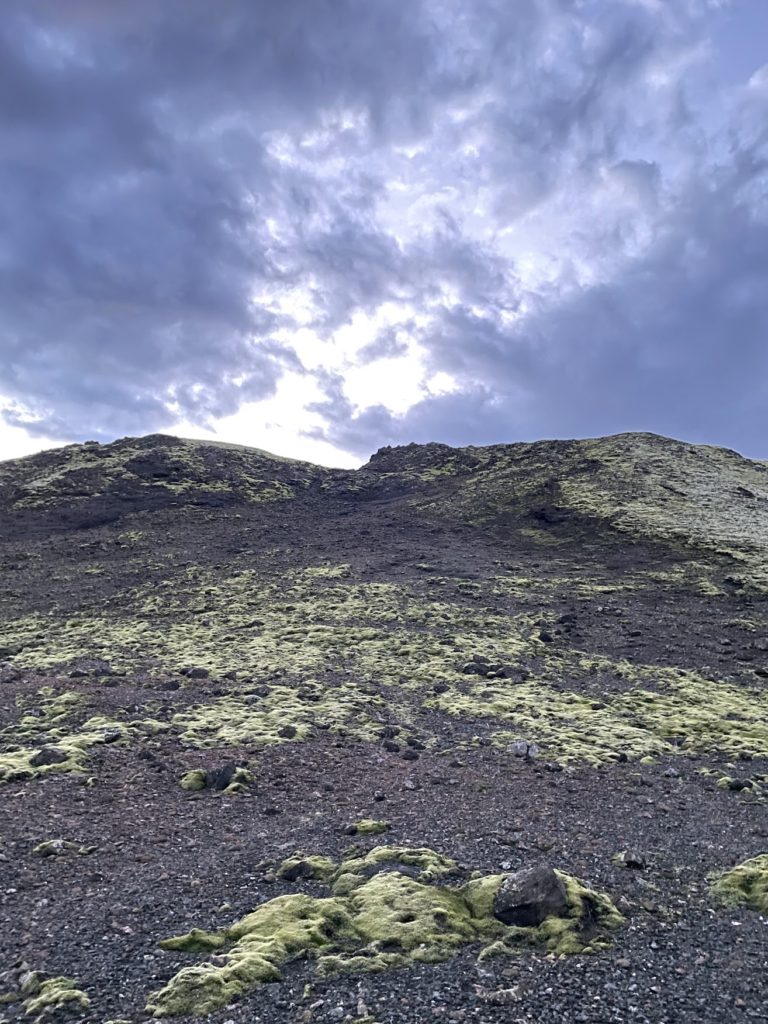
x=324 y=226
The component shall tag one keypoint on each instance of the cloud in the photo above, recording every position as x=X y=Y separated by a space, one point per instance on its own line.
x=674 y=342
x=540 y=203
x=139 y=189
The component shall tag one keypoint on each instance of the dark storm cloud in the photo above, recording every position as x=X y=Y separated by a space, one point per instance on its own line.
x=573 y=235
x=135 y=189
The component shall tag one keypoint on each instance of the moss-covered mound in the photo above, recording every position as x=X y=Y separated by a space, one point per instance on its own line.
x=746 y=885
x=639 y=484
x=42 y=997
x=151 y=472
x=386 y=909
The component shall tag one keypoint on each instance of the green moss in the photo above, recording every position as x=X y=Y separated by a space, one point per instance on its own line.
x=47 y=715
x=196 y=941
x=350 y=657
x=181 y=468
x=76 y=746
x=328 y=572
x=299 y=866
x=371 y=827
x=746 y=885
x=57 y=847
x=194 y=780
x=42 y=996
x=685 y=713
x=429 y=866
x=377 y=918
x=283 y=928
x=479 y=894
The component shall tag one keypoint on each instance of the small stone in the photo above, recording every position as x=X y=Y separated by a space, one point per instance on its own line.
x=410 y=755
x=522 y=748
x=631 y=859
x=287 y=732
x=196 y=673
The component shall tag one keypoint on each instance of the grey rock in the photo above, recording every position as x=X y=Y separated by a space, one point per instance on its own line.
x=738 y=784
x=196 y=673
x=9 y=674
x=632 y=859
x=522 y=748
x=48 y=755
x=111 y=735
x=220 y=778
x=530 y=895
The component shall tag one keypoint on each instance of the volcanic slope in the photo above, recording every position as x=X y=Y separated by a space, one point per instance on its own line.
x=276 y=740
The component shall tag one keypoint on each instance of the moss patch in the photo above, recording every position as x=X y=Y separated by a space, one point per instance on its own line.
x=746 y=885
x=371 y=827
x=194 y=780
x=74 y=749
x=42 y=997
x=59 y=847
x=385 y=910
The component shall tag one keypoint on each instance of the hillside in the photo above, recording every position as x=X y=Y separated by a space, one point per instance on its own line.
x=376 y=696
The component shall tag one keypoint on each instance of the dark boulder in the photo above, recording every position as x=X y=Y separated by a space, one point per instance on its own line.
x=48 y=755
x=220 y=778
x=196 y=673
x=530 y=895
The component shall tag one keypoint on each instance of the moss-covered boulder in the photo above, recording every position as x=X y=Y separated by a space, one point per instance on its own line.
x=388 y=908
x=369 y=827
x=44 y=997
x=746 y=885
